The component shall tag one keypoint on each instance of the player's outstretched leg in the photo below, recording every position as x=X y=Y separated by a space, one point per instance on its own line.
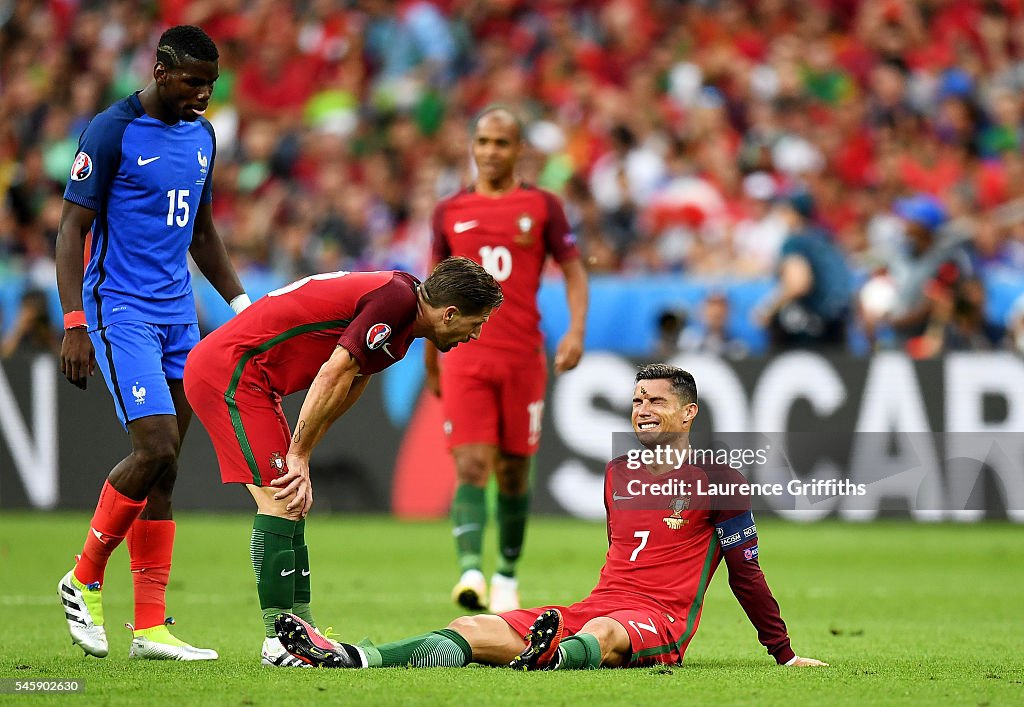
x=305 y=643
x=83 y=609
x=157 y=643
x=542 y=643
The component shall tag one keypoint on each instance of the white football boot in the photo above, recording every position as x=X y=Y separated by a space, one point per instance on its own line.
x=157 y=643
x=504 y=594
x=83 y=609
x=471 y=591
x=275 y=656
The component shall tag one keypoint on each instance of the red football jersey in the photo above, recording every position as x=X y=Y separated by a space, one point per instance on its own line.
x=510 y=236
x=670 y=566
x=663 y=549
x=283 y=339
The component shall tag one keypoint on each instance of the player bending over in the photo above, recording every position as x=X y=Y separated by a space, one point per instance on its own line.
x=646 y=606
x=328 y=333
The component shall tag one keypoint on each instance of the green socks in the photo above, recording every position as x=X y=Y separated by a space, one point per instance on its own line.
x=300 y=606
x=469 y=515
x=273 y=560
x=447 y=649
x=579 y=652
x=512 y=514
x=437 y=649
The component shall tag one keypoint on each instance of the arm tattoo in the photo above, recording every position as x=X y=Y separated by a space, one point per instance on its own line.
x=298 y=431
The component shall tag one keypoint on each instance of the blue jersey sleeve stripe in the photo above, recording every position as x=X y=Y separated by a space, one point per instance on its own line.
x=100 y=241
x=207 y=195
x=737 y=530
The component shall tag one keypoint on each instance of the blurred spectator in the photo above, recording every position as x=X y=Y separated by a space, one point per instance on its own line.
x=411 y=47
x=957 y=320
x=1014 y=339
x=670 y=326
x=32 y=331
x=759 y=234
x=711 y=334
x=666 y=126
x=276 y=80
x=585 y=219
x=927 y=249
x=623 y=181
x=810 y=305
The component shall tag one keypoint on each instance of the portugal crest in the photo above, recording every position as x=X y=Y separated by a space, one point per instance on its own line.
x=678 y=505
x=277 y=463
x=525 y=225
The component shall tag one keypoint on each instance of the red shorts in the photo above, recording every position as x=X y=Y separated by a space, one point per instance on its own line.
x=654 y=636
x=496 y=401
x=250 y=433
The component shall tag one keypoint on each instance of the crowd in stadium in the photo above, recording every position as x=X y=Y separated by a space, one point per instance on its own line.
x=878 y=141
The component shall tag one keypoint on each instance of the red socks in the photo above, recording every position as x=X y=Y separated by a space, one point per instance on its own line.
x=114 y=515
x=150 y=544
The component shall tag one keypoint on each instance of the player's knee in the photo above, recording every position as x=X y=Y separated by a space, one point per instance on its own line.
x=165 y=484
x=472 y=468
x=513 y=475
x=613 y=639
x=158 y=458
x=467 y=626
x=267 y=505
x=513 y=479
x=294 y=514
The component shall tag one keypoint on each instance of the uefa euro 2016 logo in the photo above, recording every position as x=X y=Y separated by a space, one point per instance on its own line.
x=82 y=167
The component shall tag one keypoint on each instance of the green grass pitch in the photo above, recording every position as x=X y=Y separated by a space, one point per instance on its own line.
x=905 y=613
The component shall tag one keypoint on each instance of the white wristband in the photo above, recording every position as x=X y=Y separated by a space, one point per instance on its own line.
x=240 y=302
x=792 y=660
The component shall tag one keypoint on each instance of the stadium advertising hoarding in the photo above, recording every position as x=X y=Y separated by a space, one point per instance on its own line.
x=816 y=436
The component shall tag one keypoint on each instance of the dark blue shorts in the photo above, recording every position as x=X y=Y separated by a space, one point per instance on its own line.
x=137 y=359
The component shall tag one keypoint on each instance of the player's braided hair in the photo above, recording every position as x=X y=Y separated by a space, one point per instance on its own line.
x=462 y=283
x=182 y=42
x=682 y=381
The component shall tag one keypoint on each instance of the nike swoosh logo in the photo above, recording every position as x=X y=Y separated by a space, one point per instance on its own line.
x=143 y=163
x=463 y=529
x=99 y=535
x=617 y=497
x=305 y=573
x=463 y=226
x=388 y=351
x=285 y=573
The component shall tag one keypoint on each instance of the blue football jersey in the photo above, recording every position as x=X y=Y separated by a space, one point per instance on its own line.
x=145 y=180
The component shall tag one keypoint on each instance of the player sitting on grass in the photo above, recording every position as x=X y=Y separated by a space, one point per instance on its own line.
x=663 y=551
